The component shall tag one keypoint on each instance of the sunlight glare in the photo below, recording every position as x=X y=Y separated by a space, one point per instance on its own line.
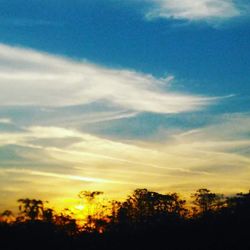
x=80 y=207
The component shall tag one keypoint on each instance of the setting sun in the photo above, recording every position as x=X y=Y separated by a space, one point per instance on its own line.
x=80 y=207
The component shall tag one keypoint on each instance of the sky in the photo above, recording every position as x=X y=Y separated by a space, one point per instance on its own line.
x=114 y=95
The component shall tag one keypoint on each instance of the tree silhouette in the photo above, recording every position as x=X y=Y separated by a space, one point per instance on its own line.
x=95 y=220
x=7 y=216
x=90 y=196
x=239 y=206
x=48 y=214
x=207 y=201
x=31 y=209
x=144 y=206
x=145 y=220
x=65 y=222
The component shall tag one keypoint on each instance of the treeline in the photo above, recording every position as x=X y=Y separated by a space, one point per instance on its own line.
x=145 y=220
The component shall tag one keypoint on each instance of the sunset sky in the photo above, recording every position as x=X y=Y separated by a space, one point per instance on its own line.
x=114 y=95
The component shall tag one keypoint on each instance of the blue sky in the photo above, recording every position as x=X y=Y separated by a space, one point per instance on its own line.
x=115 y=80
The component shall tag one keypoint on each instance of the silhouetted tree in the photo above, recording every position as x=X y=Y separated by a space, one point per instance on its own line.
x=143 y=206
x=48 y=214
x=7 y=216
x=31 y=209
x=145 y=220
x=66 y=222
x=207 y=201
x=239 y=205
x=95 y=220
x=90 y=196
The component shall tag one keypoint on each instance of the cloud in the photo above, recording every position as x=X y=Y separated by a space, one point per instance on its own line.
x=195 y=9
x=5 y=121
x=235 y=127
x=89 y=150
x=60 y=176
x=182 y=156
x=26 y=22
x=215 y=156
x=31 y=78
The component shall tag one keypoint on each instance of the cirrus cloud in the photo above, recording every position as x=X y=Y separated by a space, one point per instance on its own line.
x=195 y=9
x=31 y=78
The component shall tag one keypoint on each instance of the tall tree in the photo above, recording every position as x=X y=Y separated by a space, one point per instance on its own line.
x=144 y=205
x=207 y=201
x=31 y=209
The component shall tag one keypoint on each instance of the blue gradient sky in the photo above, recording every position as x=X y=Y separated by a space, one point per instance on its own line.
x=111 y=95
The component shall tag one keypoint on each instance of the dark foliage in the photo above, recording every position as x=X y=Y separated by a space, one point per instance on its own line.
x=145 y=220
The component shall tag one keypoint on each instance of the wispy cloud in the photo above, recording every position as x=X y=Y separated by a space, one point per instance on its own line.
x=25 y=22
x=33 y=78
x=60 y=176
x=215 y=156
x=184 y=155
x=5 y=121
x=195 y=9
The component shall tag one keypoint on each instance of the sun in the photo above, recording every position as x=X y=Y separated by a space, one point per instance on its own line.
x=80 y=207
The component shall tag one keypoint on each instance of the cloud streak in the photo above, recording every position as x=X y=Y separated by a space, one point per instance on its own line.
x=31 y=78
x=195 y=10
x=5 y=121
x=61 y=176
x=217 y=154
